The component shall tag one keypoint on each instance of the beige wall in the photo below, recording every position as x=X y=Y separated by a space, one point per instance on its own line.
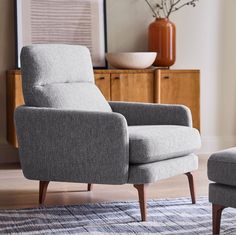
x=7 y=61
x=127 y=25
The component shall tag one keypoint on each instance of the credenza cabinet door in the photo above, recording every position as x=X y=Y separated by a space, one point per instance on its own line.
x=132 y=87
x=103 y=82
x=180 y=87
x=14 y=99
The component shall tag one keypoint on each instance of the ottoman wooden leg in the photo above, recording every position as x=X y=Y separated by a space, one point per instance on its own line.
x=216 y=217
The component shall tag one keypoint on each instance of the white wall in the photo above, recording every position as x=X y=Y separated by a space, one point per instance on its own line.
x=206 y=39
x=227 y=94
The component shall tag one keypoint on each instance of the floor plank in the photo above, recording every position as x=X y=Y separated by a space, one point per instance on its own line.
x=18 y=192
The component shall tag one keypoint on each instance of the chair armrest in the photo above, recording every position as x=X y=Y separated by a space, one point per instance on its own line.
x=72 y=146
x=153 y=114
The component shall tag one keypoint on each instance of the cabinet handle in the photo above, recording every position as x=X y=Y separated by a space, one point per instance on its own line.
x=102 y=78
x=117 y=78
x=166 y=77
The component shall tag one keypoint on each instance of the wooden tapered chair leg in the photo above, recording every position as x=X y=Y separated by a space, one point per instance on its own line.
x=43 y=185
x=90 y=187
x=142 y=200
x=191 y=187
x=216 y=218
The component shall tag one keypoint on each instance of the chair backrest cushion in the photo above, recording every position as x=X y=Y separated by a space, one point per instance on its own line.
x=60 y=76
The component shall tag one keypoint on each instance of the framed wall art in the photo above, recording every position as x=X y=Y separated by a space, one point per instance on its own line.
x=77 y=22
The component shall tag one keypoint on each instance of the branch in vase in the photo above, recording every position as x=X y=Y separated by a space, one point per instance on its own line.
x=189 y=3
x=153 y=11
x=159 y=9
x=173 y=4
x=164 y=7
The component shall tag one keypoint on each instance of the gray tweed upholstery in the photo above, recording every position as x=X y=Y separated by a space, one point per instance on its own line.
x=153 y=114
x=152 y=172
x=71 y=145
x=60 y=76
x=222 y=167
x=156 y=143
x=222 y=171
x=221 y=194
x=68 y=132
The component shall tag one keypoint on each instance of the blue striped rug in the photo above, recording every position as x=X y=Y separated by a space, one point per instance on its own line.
x=168 y=216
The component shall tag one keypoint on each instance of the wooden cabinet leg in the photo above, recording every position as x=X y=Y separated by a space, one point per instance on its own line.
x=142 y=200
x=191 y=187
x=43 y=185
x=90 y=187
x=216 y=218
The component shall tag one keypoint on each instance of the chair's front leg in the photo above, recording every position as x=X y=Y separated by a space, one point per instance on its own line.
x=216 y=217
x=142 y=200
x=191 y=187
x=43 y=185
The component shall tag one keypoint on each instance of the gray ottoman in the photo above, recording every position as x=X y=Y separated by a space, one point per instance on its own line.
x=222 y=193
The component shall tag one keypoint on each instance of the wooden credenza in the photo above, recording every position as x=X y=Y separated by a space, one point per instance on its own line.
x=149 y=85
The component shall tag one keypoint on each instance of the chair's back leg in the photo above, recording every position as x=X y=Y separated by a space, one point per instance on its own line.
x=43 y=185
x=142 y=200
x=90 y=187
x=191 y=187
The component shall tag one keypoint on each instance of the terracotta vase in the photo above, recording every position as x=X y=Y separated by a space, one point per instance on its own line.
x=162 y=39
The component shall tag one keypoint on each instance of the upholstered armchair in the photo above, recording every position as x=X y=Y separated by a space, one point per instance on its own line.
x=68 y=132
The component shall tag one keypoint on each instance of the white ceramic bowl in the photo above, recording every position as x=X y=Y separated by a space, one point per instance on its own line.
x=131 y=60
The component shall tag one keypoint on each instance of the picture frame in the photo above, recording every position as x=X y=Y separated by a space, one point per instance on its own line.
x=77 y=22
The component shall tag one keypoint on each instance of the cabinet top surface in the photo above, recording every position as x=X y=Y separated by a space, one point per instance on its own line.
x=101 y=71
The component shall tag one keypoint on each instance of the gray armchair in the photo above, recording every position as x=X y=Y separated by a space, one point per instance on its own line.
x=68 y=132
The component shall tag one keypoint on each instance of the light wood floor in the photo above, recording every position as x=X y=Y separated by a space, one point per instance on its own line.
x=18 y=192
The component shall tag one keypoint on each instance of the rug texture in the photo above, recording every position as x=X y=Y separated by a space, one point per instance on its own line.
x=169 y=216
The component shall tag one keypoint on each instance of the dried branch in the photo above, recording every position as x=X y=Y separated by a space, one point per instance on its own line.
x=178 y=1
x=158 y=10
x=172 y=5
x=153 y=11
x=190 y=3
x=166 y=7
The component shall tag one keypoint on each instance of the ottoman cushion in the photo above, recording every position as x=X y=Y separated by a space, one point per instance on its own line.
x=222 y=167
x=224 y=195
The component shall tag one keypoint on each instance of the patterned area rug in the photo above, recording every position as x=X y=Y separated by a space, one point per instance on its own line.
x=169 y=216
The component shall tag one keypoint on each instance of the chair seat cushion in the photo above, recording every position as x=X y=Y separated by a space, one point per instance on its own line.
x=155 y=143
x=222 y=167
x=152 y=172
